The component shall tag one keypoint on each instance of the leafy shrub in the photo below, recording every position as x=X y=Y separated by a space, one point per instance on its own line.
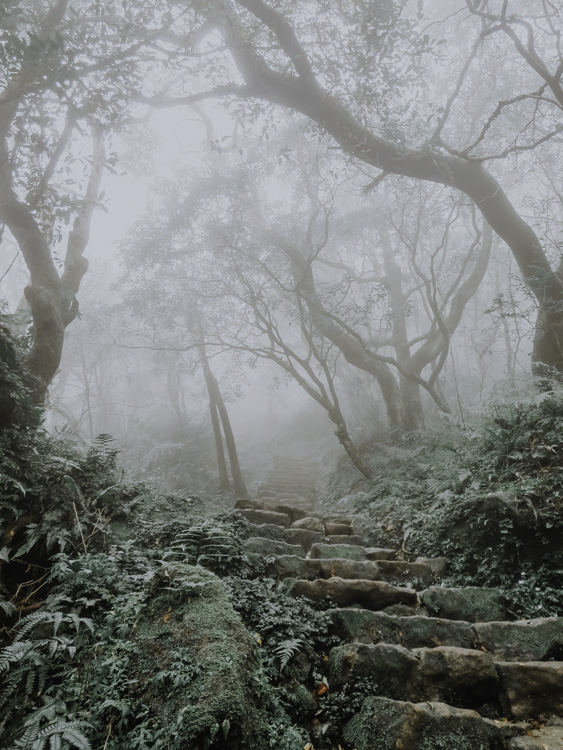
x=491 y=503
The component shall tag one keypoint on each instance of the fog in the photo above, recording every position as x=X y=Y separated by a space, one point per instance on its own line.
x=324 y=232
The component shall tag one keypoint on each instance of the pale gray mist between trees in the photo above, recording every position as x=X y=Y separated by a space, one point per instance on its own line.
x=365 y=233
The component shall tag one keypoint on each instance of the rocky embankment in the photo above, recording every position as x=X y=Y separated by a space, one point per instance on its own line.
x=443 y=667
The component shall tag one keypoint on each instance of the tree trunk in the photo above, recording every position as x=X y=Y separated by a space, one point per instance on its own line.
x=301 y=92
x=216 y=398
x=224 y=483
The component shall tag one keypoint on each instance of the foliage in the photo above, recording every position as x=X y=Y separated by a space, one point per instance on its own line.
x=489 y=499
x=285 y=626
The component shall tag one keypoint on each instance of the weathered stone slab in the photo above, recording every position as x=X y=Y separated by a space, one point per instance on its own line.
x=385 y=724
x=345 y=539
x=439 y=565
x=345 y=551
x=364 y=626
x=337 y=528
x=310 y=523
x=531 y=690
x=369 y=594
x=266 y=530
x=266 y=516
x=288 y=566
x=540 y=639
x=392 y=668
x=458 y=676
x=266 y=547
x=399 y=571
x=380 y=553
x=544 y=738
x=427 y=632
x=304 y=537
x=470 y=603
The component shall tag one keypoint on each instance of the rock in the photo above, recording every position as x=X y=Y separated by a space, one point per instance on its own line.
x=346 y=551
x=402 y=610
x=287 y=566
x=247 y=503
x=266 y=516
x=438 y=565
x=304 y=537
x=426 y=632
x=385 y=724
x=530 y=690
x=338 y=528
x=539 y=739
x=458 y=676
x=524 y=640
x=369 y=594
x=265 y=547
x=266 y=530
x=470 y=603
x=345 y=539
x=364 y=626
x=390 y=669
x=379 y=553
x=190 y=628
x=295 y=512
x=398 y=571
x=310 y=523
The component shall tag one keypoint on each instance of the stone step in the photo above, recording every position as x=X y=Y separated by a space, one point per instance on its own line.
x=291 y=566
x=266 y=516
x=363 y=626
x=540 y=639
x=294 y=512
x=469 y=603
x=373 y=595
x=524 y=640
x=351 y=552
x=532 y=689
x=266 y=547
x=311 y=523
x=461 y=677
x=352 y=539
x=385 y=724
x=304 y=537
x=542 y=738
x=267 y=531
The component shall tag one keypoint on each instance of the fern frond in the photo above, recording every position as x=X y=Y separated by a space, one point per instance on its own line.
x=287 y=649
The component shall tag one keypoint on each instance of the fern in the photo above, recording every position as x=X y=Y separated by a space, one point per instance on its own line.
x=57 y=735
x=286 y=650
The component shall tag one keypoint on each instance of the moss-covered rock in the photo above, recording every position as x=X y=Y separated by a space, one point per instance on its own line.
x=196 y=664
x=385 y=724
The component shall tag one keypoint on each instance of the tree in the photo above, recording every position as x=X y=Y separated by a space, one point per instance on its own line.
x=65 y=71
x=300 y=73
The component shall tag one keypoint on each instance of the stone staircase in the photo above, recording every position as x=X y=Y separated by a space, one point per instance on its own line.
x=443 y=668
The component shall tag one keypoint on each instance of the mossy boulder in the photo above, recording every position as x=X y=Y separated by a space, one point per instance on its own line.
x=196 y=665
x=385 y=724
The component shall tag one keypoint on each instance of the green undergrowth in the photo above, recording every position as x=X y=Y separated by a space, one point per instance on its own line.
x=117 y=631
x=489 y=498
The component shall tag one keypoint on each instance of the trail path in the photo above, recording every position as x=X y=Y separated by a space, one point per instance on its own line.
x=444 y=668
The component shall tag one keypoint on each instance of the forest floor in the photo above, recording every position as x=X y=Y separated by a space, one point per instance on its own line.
x=424 y=612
